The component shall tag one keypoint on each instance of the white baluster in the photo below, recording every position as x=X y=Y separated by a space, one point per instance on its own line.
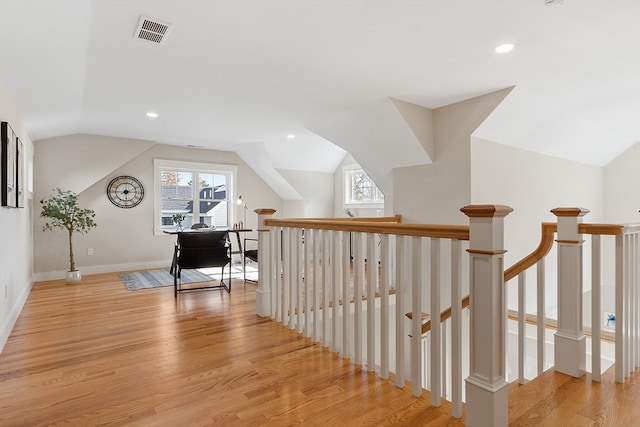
x=308 y=283
x=522 y=324
x=634 y=285
x=346 y=294
x=400 y=309
x=326 y=287
x=317 y=288
x=443 y=359
x=278 y=267
x=436 y=326
x=335 y=293
x=456 y=329
x=286 y=273
x=372 y=286
x=542 y=315
x=595 y=307
x=384 y=306
x=358 y=272
x=297 y=247
x=416 y=320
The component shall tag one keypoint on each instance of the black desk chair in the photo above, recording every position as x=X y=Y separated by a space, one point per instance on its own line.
x=202 y=250
x=251 y=254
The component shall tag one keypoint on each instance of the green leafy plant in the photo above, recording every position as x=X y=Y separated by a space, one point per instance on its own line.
x=178 y=218
x=62 y=211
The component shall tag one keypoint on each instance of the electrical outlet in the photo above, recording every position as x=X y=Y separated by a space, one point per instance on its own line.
x=90 y=251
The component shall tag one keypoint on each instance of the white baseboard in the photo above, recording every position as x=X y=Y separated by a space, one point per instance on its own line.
x=10 y=320
x=98 y=269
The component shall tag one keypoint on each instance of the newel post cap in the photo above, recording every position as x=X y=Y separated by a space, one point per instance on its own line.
x=265 y=211
x=486 y=211
x=577 y=212
x=486 y=230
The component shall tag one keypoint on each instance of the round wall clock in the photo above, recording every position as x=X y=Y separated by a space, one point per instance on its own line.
x=125 y=191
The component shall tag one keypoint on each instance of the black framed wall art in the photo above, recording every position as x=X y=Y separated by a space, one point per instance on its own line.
x=19 y=173
x=9 y=162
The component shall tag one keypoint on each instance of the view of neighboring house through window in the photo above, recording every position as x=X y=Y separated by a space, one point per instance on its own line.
x=200 y=192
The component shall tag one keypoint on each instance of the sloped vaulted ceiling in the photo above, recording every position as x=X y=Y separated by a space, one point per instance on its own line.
x=379 y=137
x=232 y=73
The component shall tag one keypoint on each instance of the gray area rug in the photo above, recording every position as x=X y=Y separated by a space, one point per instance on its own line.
x=159 y=278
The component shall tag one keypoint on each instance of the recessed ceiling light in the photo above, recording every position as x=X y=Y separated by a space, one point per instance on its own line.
x=504 y=48
x=152 y=115
x=291 y=136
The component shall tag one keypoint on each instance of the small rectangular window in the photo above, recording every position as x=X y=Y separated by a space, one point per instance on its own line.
x=360 y=189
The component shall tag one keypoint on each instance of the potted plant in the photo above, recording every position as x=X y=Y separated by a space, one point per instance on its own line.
x=62 y=211
x=177 y=220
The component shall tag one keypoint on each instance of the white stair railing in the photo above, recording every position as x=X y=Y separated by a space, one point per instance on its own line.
x=309 y=289
x=306 y=283
x=627 y=295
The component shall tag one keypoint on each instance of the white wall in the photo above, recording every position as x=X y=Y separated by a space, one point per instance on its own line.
x=124 y=238
x=622 y=187
x=621 y=206
x=434 y=193
x=94 y=157
x=316 y=189
x=15 y=234
x=533 y=184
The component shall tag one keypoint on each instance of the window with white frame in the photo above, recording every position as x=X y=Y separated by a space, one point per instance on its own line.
x=199 y=192
x=359 y=189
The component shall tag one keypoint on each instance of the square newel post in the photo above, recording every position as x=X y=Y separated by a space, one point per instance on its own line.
x=263 y=293
x=569 y=340
x=486 y=387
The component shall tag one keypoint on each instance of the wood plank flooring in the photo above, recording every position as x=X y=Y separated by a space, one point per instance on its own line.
x=96 y=354
x=555 y=399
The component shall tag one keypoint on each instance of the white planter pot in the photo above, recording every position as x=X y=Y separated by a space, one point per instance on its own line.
x=73 y=276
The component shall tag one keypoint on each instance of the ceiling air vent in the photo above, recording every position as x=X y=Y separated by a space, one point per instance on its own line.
x=152 y=30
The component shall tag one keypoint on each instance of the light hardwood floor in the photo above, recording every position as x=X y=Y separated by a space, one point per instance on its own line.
x=96 y=354
x=555 y=399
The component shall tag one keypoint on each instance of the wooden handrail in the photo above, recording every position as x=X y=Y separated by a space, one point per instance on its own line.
x=546 y=242
x=426 y=327
x=456 y=232
x=608 y=229
x=391 y=219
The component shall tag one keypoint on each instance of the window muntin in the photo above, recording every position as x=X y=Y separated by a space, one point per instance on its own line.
x=200 y=192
